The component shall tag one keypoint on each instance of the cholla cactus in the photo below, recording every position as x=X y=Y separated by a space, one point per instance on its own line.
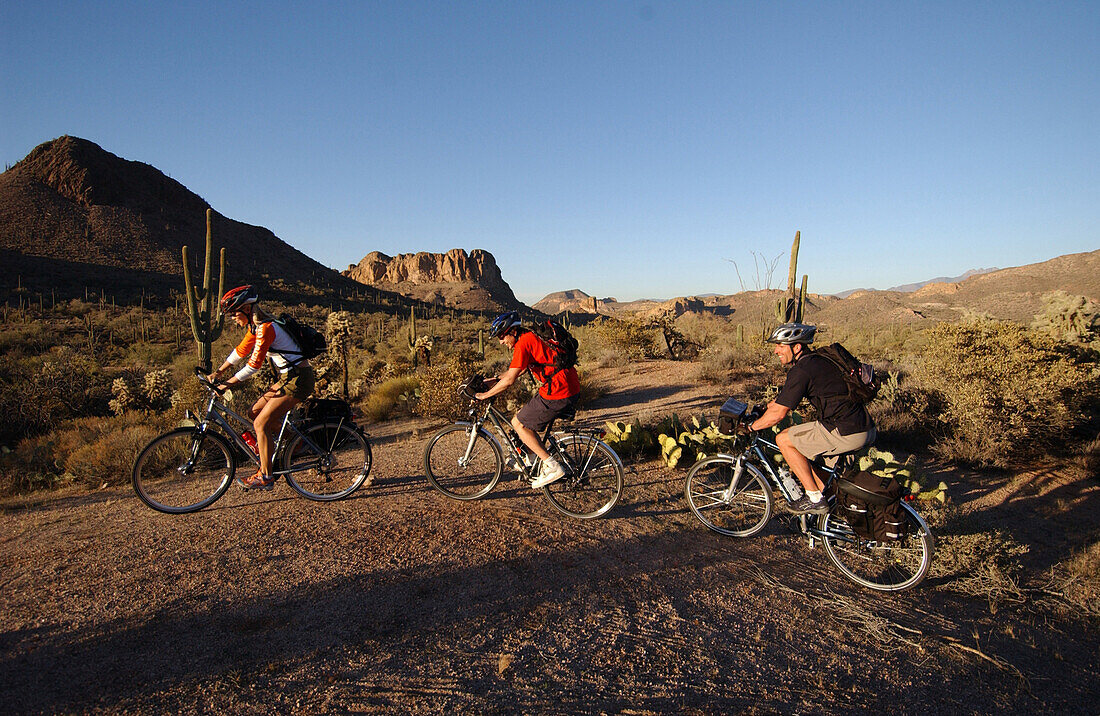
x=1073 y=319
x=338 y=334
x=157 y=388
x=124 y=396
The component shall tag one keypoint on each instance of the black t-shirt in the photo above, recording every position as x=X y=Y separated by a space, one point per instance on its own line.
x=819 y=381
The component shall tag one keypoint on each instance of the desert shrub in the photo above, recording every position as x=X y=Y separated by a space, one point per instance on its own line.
x=89 y=451
x=39 y=396
x=1078 y=578
x=439 y=397
x=632 y=338
x=724 y=362
x=975 y=559
x=1006 y=391
x=394 y=393
x=590 y=389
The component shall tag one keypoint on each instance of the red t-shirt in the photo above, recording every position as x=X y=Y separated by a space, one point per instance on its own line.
x=528 y=351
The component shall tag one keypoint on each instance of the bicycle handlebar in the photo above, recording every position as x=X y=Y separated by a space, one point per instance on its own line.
x=201 y=375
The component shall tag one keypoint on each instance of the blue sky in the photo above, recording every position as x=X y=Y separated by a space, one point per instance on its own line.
x=629 y=149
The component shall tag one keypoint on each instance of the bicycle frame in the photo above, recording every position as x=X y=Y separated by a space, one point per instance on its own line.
x=499 y=421
x=754 y=451
x=220 y=414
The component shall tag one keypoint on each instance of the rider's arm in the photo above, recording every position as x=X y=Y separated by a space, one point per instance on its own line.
x=503 y=383
x=773 y=415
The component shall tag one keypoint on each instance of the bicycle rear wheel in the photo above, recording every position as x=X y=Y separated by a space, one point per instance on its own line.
x=183 y=470
x=463 y=464
x=337 y=471
x=739 y=512
x=884 y=566
x=593 y=479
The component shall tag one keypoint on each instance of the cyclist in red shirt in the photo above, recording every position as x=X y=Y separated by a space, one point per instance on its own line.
x=558 y=389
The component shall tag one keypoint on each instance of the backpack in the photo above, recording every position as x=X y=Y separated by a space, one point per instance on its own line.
x=872 y=506
x=561 y=343
x=860 y=377
x=311 y=342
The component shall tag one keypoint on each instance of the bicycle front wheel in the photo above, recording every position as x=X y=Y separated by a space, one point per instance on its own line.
x=884 y=566
x=735 y=511
x=341 y=466
x=462 y=463
x=183 y=470
x=593 y=479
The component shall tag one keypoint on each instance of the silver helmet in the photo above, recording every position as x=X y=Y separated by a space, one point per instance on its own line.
x=790 y=333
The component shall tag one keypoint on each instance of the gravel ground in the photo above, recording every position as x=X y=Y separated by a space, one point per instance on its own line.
x=398 y=599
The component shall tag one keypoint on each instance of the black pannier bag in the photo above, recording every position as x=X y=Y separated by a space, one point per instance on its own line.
x=327 y=410
x=872 y=506
x=729 y=414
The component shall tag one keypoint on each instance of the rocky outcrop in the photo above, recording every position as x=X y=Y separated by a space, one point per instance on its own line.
x=416 y=274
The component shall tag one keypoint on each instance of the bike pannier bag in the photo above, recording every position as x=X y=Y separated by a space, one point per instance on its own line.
x=326 y=410
x=872 y=506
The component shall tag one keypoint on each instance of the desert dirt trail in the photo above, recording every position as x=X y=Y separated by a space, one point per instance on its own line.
x=398 y=599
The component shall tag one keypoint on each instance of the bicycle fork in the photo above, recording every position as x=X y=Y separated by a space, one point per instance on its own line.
x=738 y=470
x=464 y=461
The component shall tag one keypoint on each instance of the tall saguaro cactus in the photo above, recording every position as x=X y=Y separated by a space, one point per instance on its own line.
x=793 y=304
x=207 y=320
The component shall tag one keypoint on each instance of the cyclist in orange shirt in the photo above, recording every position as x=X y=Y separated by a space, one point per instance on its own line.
x=265 y=339
x=557 y=391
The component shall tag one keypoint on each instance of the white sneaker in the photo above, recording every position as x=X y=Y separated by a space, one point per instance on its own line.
x=550 y=471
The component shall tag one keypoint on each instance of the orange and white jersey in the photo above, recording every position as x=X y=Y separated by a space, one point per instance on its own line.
x=269 y=340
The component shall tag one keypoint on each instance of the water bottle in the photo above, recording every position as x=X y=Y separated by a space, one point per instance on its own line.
x=250 y=440
x=790 y=483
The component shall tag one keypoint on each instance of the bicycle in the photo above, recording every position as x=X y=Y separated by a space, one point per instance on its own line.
x=189 y=468
x=732 y=495
x=464 y=461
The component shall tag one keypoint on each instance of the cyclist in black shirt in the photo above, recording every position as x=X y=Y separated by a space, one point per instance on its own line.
x=843 y=423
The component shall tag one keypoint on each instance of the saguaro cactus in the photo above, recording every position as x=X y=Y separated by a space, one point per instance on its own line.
x=791 y=307
x=207 y=320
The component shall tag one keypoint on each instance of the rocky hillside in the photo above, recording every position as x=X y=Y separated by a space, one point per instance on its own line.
x=468 y=281
x=73 y=215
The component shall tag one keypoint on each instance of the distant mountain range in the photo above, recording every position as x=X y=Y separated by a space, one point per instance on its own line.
x=910 y=287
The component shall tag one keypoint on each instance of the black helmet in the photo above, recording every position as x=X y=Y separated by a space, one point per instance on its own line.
x=504 y=323
x=236 y=299
x=790 y=333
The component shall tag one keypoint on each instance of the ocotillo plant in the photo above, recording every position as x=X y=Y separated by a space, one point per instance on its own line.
x=206 y=325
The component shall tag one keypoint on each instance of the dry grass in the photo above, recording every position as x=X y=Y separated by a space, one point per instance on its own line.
x=1078 y=579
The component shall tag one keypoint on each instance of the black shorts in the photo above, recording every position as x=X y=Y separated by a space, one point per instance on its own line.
x=538 y=413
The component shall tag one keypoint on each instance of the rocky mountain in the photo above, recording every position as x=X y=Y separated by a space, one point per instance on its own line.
x=468 y=281
x=74 y=216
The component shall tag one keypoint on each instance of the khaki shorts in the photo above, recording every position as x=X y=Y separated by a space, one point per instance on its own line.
x=297 y=382
x=813 y=439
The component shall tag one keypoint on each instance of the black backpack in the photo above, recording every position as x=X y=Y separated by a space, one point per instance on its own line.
x=311 y=342
x=561 y=343
x=872 y=506
x=860 y=377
